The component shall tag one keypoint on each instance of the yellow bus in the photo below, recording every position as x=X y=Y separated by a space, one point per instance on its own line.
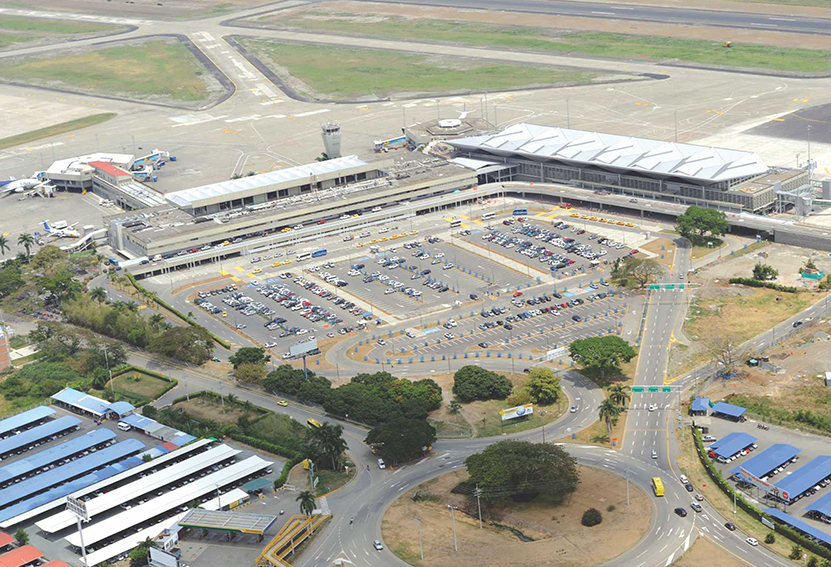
x=315 y=423
x=657 y=486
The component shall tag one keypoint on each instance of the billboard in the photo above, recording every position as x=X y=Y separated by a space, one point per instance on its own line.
x=758 y=482
x=159 y=558
x=303 y=348
x=518 y=411
x=556 y=353
x=77 y=507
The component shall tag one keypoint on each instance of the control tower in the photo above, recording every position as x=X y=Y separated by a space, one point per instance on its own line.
x=331 y=139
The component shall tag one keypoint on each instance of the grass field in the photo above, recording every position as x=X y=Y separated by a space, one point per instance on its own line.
x=55 y=130
x=564 y=42
x=15 y=30
x=332 y=480
x=150 y=70
x=346 y=73
x=137 y=386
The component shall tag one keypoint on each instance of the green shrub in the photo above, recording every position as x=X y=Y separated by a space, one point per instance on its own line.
x=750 y=282
x=770 y=538
x=591 y=517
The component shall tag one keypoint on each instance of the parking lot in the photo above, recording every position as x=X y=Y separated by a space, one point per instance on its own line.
x=418 y=276
x=560 y=247
x=513 y=323
x=787 y=453
x=282 y=310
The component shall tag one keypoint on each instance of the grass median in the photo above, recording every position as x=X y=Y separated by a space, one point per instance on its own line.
x=15 y=30
x=57 y=129
x=152 y=70
x=351 y=73
x=555 y=41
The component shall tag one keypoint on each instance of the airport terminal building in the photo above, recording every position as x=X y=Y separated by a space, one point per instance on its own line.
x=683 y=173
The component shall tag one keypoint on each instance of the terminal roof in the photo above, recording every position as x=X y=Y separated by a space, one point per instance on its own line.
x=702 y=164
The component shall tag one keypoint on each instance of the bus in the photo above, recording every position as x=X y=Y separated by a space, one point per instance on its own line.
x=520 y=212
x=657 y=486
x=311 y=422
x=303 y=256
x=488 y=216
x=455 y=223
x=319 y=253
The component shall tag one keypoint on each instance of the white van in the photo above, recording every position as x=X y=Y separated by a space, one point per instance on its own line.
x=124 y=426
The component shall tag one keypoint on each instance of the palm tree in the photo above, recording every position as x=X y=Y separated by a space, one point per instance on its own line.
x=328 y=440
x=307 y=502
x=609 y=412
x=4 y=244
x=98 y=294
x=619 y=394
x=27 y=241
x=156 y=320
x=131 y=306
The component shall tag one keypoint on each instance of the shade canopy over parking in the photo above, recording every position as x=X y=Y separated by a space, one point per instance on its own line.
x=20 y=556
x=799 y=524
x=24 y=419
x=820 y=505
x=729 y=410
x=227 y=521
x=769 y=459
x=38 y=434
x=805 y=477
x=732 y=444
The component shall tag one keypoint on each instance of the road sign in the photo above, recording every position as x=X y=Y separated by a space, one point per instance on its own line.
x=637 y=388
x=666 y=389
x=652 y=389
x=77 y=507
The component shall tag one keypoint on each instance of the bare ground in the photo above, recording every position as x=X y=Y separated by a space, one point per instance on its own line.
x=560 y=539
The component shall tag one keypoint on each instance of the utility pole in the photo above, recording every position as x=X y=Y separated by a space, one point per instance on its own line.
x=627 y=487
x=420 y=545
x=453 y=514
x=311 y=474
x=568 y=115
x=543 y=431
x=478 y=493
x=107 y=360
x=676 y=126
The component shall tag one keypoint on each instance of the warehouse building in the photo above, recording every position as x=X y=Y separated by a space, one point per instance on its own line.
x=683 y=173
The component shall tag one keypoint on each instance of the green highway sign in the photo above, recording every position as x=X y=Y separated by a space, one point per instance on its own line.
x=666 y=389
x=652 y=389
x=637 y=388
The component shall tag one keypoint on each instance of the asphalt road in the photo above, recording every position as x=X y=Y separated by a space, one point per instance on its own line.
x=642 y=14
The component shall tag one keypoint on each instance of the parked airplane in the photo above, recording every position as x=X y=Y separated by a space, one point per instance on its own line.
x=61 y=229
x=19 y=185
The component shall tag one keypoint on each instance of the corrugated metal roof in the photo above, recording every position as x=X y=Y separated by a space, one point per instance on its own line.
x=728 y=409
x=63 y=473
x=38 y=433
x=821 y=505
x=799 y=524
x=54 y=454
x=182 y=439
x=109 y=168
x=20 y=556
x=82 y=400
x=122 y=407
x=190 y=197
x=24 y=419
x=702 y=164
x=5 y=539
x=772 y=457
x=701 y=404
x=731 y=444
x=805 y=476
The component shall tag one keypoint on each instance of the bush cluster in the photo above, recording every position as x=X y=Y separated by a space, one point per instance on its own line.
x=750 y=282
x=472 y=383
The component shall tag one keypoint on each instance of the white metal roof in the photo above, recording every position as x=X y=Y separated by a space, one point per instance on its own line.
x=702 y=164
x=139 y=487
x=125 y=544
x=104 y=483
x=184 y=495
x=224 y=499
x=80 y=162
x=191 y=197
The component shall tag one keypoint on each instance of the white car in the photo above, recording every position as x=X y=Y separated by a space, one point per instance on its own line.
x=376 y=210
x=573 y=409
x=383 y=230
x=752 y=541
x=653 y=407
x=683 y=478
x=381 y=464
x=378 y=545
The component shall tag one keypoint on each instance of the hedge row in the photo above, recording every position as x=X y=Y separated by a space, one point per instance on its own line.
x=725 y=486
x=750 y=282
x=182 y=316
x=264 y=445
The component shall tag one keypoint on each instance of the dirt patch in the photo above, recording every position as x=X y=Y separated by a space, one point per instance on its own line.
x=786 y=259
x=559 y=538
x=705 y=552
x=208 y=410
x=504 y=18
x=664 y=250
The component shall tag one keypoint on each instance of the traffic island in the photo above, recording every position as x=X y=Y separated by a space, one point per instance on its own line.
x=556 y=531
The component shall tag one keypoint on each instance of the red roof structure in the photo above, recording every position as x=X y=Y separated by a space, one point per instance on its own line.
x=5 y=539
x=56 y=563
x=109 y=168
x=20 y=556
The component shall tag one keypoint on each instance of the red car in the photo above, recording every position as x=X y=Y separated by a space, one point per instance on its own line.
x=321 y=221
x=517 y=294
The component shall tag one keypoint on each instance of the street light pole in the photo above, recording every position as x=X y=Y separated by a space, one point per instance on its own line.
x=420 y=545
x=453 y=514
x=478 y=493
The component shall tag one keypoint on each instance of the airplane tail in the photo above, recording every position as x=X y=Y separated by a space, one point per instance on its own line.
x=46 y=226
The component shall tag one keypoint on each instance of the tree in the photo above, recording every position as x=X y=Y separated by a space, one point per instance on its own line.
x=812 y=562
x=401 y=439
x=809 y=264
x=764 y=272
x=796 y=552
x=27 y=241
x=21 y=536
x=250 y=373
x=141 y=553
x=187 y=344
x=601 y=354
x=697 y=222
x=156 y=320
x=475 y=383
x=724 y=349
x=307 y=502
x=591 y=517
x=826 y=563
x=248 y=355
x=609 y=412
x=4 y=244
x=635 y=273
x=521 y=470
x=770 y=538
x=98 y=294
x=543 y=385
x=619 y=394
x=326 y=443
